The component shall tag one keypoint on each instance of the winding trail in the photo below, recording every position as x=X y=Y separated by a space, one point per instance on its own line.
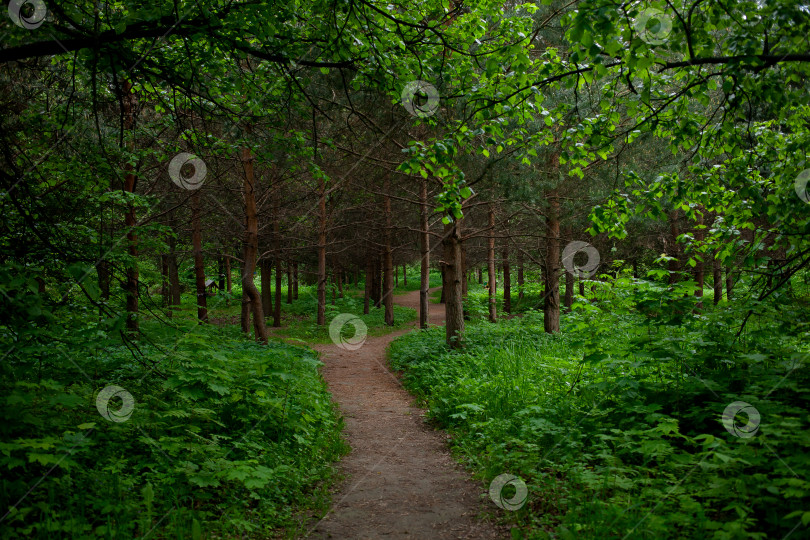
x=401 y=481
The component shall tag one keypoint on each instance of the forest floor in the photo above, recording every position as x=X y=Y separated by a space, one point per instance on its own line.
x=401 y=481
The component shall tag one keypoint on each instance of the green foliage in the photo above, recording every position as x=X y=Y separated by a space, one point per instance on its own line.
x=226 y=436
x=615 y=424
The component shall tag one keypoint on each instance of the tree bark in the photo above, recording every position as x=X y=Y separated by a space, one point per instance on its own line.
x=388 y=261
x=424 y=253
x=228 y=272
x=404 y=276
x=717 y=279
x=520 y=278
x=369 y=284
x=174 y=274
x=199 y=263
x=729 y=283
x=699 y=268
x=221 y=272
x=295 y=281
x=454 y=318
x=674 y=265
x=569 y=279
x=491 y=276
x=266 y=269
x=507 y=280
x=322 y=252
x=130 y=181
x=551 y=304
x=277 y=310
x=164 y=280
x=289 y=283
x=251 y=249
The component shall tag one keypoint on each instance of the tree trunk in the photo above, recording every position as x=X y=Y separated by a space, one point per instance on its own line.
x=199 y=263
x=388 y=261
x=228 y=272
x=454 y=318
x=424 y=252
x=369 y=280
x=251 y=250
x=245 y=314
x=164 y=280
x=521 y=281
x=340 y=278
x=699 y=268
x=569 y=291
x=551 y=304
x=569 y=278
x=322 y=252
x=295 y=281
x=675 y=264
x=377 y=285
x=463 y=274
x=491 y=276
x=396 y=276
x=507 y=280
x=404 y=276
x=289 y=283
x=277 y=310
x=174 y=274
x=729 y=283
x=442 y=297
x=581 y=287
x=266 y=269
x=130 y=181
x=103 y=269
x=221 y=272
x=717 y=279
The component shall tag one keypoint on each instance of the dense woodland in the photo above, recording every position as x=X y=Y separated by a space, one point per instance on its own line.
x=608 y=198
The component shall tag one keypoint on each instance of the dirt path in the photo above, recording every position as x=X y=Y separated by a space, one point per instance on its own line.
x=401 y=480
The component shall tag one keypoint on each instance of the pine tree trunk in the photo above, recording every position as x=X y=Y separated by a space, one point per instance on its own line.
x=520 y=277
x=369 y=279
x=551 y=304
x=221 y=272
x=675 y=264
x=569 y=278
x=507 y=280
x=164 y=280
x=729 y=283
x=245 y=314
x=424 y=253
x=174 y=274
x=199 y=263
x=295 y=281
x=491 y=276
x=454 y=309
x=322 y=253
x=251 y=250
x=569 y=291
x=464 y=284
x=228 y=272
x=699 y=268
x=388 y=261
x=130 y=180
x=266 y=269
x=289 y=283
x=717 y=279
x=277 y=310
x=404 y=276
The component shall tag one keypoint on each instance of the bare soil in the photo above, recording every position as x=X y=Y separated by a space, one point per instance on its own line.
x=401 y=481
